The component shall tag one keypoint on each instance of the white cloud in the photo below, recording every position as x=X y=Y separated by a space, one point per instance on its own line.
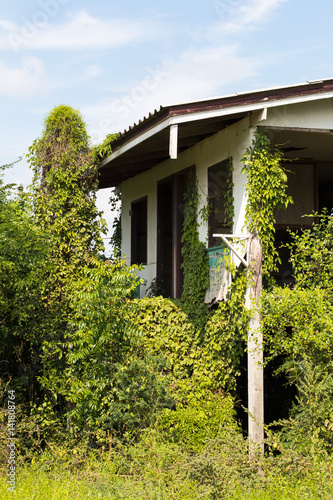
x=203 y=73
x=80 y=33
x=91 y=72
x=237 y=15
x=24 y=80
x=193 y=74
x=196 y=74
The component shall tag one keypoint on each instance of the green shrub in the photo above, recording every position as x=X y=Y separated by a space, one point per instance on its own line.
x=200 y=360
x=161 y=327
x=299 y=324
x=309 y=429
x=217 y=363
x=198 y=420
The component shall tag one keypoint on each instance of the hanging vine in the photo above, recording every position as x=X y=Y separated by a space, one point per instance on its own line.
x=195 y=260
x=228 y=196
x=115 y=240
x=266 y=190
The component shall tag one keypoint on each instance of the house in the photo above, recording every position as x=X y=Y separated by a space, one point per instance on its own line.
x=151 y=162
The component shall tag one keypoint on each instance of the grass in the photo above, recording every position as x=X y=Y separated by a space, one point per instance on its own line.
x=156 y=470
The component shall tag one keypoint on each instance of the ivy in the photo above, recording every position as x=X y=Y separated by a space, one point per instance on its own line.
x=266 y=190
x=229 y=206
x=103 y=150
x=115 y=205
x=195 y=260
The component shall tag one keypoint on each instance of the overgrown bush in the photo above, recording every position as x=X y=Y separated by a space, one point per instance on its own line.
x=114 y=385
x=200 y=360
x=298 y=328
x=198 y=420
x=162 y=327
x=312 y=254
x=299 y=324
x=309 y=429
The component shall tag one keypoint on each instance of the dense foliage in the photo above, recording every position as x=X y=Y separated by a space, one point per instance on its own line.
x=298 y=326
x=195 y=259
x=23 y=263
x=266 y=190
x=312 y=254
x=148 y=386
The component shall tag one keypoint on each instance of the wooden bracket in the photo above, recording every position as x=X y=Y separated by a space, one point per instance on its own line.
x=231 y=246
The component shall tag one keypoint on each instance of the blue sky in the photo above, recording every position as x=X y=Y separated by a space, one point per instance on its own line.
x=116 y=61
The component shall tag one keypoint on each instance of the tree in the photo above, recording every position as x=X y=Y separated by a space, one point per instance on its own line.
x=23 y=256
x=65 y=185
x=64 y=193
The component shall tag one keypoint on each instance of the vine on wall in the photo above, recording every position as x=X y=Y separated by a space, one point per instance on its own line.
x=266 y=189
x=115 y=241
x=103 y=150
x=228 y=197
x=195 y=260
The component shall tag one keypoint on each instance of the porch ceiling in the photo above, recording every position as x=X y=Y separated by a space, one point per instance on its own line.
x=155 y=149
x=304 y=145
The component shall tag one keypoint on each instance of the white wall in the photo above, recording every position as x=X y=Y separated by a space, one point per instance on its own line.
x=230 y=142
x=313 y=114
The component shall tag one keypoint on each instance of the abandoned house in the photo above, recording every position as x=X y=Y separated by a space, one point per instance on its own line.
x=151 y=161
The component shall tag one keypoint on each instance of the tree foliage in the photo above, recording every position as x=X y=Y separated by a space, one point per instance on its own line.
x=312 y=254
x=65 y=185
x=23 y=260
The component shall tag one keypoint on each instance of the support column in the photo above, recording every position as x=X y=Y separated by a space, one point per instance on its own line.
x=255 y=349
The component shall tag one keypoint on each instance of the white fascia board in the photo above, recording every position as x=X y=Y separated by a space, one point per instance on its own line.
x=134 y=142
x=203 y=115
x=173 y=145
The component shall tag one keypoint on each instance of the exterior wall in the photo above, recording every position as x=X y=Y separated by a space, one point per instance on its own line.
x=230 y=142
x=313 y=114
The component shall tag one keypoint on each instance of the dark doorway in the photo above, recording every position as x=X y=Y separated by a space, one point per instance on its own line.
x=164 y=237
x=139 y=231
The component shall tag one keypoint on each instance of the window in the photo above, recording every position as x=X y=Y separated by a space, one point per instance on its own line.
x=139 y=231
x=219 y=190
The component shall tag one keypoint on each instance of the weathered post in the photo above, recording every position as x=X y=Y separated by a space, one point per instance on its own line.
x=255 y=348
x=255 y=357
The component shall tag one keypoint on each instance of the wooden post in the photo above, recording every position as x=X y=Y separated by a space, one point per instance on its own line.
x=255 y=349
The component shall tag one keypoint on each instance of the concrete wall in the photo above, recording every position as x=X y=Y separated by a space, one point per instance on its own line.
x=313 y=114
x=230 y=142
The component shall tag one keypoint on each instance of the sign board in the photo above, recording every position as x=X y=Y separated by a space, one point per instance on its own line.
x=219 y=277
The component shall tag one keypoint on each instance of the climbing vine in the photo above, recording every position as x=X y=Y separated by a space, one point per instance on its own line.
x=228 y=196
x=103 y=150
x=195 y=259
x=115 y=241
x=220 y=203
x=266 y=189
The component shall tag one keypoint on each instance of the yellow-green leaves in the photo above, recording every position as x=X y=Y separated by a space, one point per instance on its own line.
x=266 y=189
